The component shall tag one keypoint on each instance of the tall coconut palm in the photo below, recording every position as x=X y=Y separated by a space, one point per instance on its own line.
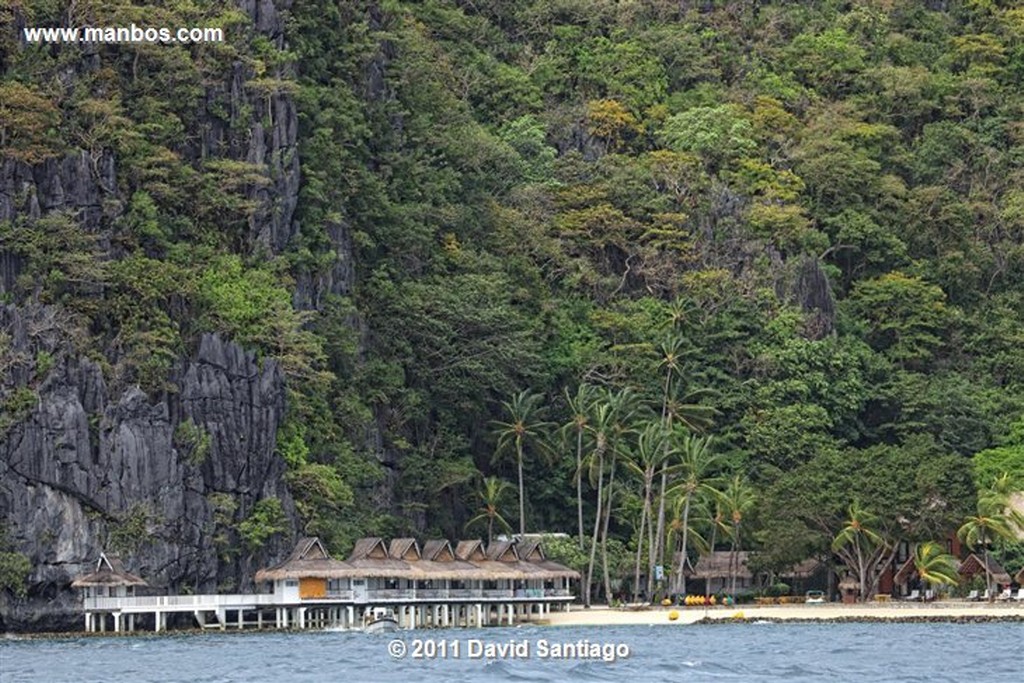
x=738 y=499
x=579 y=410
x=491 y=497
x=696 y=464
x=600 y=427
x=860 y=543
x=524 y=423
x=625 y=407
x=645 y=461
x=934 y=565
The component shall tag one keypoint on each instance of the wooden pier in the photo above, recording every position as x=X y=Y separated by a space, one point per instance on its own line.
x=466 y=587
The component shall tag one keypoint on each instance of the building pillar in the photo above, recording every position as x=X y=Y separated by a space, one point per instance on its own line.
x=479 y=615
x=511 y=614
x=351 y=616
x=445 y=616
x=117 y=622
x=302 y=618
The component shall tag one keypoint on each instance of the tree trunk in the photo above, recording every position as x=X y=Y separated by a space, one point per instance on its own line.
x=522 y=508
x=639 y=550
x=666 y=418
x=650 y=535
x=579 y=483
x=682 y=554
x=604 y=534
x=597 y=527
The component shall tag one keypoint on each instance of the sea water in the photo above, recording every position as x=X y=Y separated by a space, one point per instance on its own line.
x=926 y=652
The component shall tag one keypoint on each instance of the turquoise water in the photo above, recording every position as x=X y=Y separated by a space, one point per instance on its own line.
x=733 y=652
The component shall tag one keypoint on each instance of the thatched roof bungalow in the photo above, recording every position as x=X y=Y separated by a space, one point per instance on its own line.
x=110 y=577
x=975 y=566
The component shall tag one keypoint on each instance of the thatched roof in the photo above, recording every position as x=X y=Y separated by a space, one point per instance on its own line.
x=802 y=570
x=109 y=572
x=369 y=548
x=1019 y=577
x=530 y=550
x=471 y=551
x=308 y=559
x=370 y=559
x=975 y=565
x=849 y=583
x=502 y=551
x=906 y=572
x=404 y=549
x=438 y=550
x=716 y=566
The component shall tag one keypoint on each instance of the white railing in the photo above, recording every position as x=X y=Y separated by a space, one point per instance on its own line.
x=248 y=601
x=209 y=601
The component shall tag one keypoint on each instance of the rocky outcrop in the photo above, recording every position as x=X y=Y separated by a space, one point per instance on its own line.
x=87 y=471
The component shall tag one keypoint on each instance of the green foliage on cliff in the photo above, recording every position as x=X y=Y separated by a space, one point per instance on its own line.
x=817 y=206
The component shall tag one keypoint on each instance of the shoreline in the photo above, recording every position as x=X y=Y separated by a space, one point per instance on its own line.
x=946 y=612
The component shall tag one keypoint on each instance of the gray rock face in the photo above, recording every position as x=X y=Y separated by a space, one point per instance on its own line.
x=94 y=466
x=87 y=471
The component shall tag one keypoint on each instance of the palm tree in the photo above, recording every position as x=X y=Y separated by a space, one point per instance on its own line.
x=686 y=410
x=646 y=459
x=934 y=565
x=695 y=463
x=996 y=520
x=491 y=496
x=982 y=529
x=625 y=405
x=600 y=427
x=860 y=543
x=738 y=499
x=523 y=423
x=579 y=408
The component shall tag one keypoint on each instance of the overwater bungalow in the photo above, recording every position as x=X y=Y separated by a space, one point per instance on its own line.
x=109 y=580
x=432 y=586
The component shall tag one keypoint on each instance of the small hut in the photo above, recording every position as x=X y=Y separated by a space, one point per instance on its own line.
x=974 y=565
x=717 y=569
x=849 y=588
x=110 y=579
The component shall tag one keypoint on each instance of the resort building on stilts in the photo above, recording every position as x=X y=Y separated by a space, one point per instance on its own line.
x=435 y=585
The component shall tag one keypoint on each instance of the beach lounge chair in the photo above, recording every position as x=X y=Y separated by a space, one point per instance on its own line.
x=1007 y=594
x=929 y=595
x=914 y=595
x=1020 y=595
x=986 y=595
x=973 y=596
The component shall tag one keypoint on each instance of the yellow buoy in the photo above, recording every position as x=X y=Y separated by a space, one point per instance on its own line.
x=673 y=615
x=712 y=599
x=666 y=603
x=738 y=615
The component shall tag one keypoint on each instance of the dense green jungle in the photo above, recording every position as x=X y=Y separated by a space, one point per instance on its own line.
x=659 y=276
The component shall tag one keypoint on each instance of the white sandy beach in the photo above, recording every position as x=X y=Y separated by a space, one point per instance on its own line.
x=601 y=615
